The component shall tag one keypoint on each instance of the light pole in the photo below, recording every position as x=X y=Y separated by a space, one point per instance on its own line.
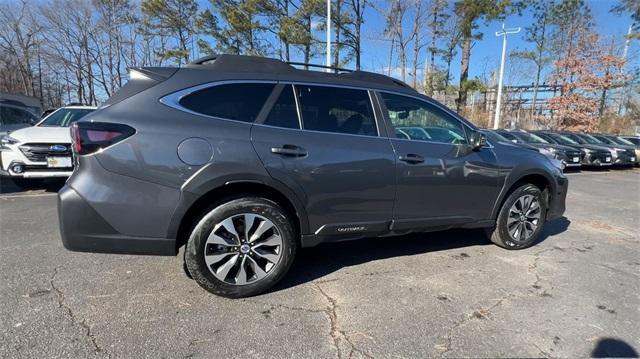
x=624 y=57
x=328 y=35
x=504 y=32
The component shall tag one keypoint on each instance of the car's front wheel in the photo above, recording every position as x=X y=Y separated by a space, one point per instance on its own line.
x=520 y=219
x=241 y=248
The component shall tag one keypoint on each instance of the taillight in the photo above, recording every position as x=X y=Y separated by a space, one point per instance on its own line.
x=90 y=137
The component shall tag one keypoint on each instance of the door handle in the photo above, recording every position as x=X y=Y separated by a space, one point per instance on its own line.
x=289 y=151
x=411 y=158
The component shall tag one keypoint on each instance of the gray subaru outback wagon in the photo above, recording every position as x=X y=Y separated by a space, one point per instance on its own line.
x=244 y=160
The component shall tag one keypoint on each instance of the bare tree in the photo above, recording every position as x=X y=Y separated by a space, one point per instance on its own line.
x=394 y=29
x=416 y=35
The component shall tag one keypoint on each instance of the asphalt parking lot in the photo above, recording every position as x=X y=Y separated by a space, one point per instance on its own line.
x=446 y=294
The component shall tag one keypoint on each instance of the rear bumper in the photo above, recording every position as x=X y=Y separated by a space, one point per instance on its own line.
x=84 y=230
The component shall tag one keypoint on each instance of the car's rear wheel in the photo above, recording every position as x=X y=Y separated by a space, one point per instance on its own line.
x=521 y=218
x=241 y=248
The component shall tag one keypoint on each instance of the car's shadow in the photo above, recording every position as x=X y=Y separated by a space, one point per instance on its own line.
x=317 y=262
x=8 y=186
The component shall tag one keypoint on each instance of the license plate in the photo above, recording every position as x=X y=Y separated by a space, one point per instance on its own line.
x=576 y=159
x=633 y=159
x=57 y=162
x=608 y=159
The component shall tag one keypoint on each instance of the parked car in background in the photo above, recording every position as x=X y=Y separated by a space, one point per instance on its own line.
x=41 y=151
x=244 y=160
x=17 y=111
x=627 y=140
x=569 y=156
x=633 y=139
x=592 y=155
x=619 y=156
x=629 y=149
x=513 y=139
x=495 y=137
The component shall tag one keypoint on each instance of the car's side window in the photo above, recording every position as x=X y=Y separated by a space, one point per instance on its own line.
x=15 y=116
x=420 y=121
x=284 y=113
x=336 y=109
x=236 y=101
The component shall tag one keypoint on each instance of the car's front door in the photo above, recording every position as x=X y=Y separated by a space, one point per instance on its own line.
x=441 y=179
x=332 y=154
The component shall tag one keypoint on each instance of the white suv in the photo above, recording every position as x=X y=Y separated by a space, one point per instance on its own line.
x=41 y=151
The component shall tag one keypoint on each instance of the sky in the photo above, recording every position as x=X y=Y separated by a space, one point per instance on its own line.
x=486 y=53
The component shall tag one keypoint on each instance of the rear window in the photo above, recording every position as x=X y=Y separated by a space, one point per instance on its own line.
x=64 y=117
x=239 y=102
x=335 y=109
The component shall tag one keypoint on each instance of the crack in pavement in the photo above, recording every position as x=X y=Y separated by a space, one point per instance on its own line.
x=287 y=307
x=544 y=353
x=484 y=313
x=62 y=305
x=476 y=314
x=335 y=333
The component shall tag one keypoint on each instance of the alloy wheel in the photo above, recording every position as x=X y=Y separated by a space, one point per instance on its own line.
x=524 y=218
x=243 y=248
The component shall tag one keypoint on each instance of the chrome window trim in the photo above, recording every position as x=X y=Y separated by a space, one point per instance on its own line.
x=295 y=98
x=375 y=117
x=173 y=100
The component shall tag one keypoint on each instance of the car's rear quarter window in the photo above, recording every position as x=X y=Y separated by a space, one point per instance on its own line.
x=238 y=101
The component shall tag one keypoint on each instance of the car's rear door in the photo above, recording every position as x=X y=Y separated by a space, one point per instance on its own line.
x=440 y=180
x=329 y=150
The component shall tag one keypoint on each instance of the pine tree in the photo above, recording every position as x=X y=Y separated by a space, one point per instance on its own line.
x=174 y=19
x=471 y=12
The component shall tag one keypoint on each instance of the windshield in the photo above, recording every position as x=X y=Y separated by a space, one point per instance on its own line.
x=622 y=141
x=590 y=139
x=509 y=136
x=546 y=137
x=605 y=140
x=64 y=117
x=565 y=140
x=575 y=137
x=494 y=136
x=529 y=137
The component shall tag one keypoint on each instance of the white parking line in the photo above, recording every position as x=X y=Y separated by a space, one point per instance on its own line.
x=6 y=196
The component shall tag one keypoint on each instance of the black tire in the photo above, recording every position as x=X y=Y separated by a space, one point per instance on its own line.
x=500 y=233
x=195 y=248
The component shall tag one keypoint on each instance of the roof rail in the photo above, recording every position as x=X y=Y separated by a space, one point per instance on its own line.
x=240 y=63
x=204 y=60
x=336 y=69
x=372 y=76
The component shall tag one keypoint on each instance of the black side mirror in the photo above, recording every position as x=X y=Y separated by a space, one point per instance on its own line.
x=477 y=140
